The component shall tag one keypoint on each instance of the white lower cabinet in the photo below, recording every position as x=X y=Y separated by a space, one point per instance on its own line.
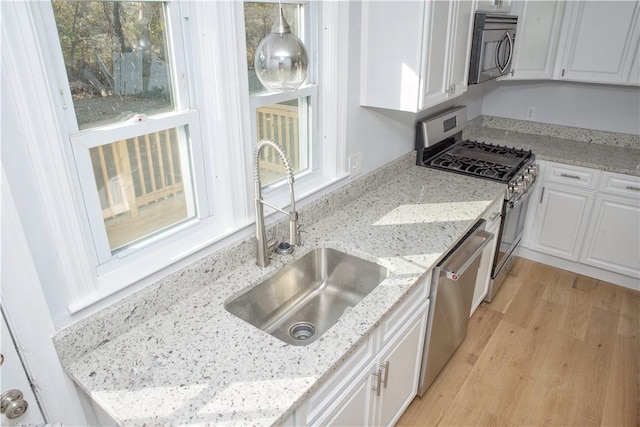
x=492 y=226
x=380 y=380
x=561 y=220
x=613 y=235
x=587 y=221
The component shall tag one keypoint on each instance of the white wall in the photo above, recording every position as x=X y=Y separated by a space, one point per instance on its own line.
x=590 y=106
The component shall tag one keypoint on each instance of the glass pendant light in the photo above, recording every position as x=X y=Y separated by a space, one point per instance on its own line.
x=281 y=60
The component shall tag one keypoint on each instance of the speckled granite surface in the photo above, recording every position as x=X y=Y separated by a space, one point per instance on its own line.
x=194 y=363
x=613 y=152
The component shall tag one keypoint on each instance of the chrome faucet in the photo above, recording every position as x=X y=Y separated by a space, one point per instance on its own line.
x=263 y=248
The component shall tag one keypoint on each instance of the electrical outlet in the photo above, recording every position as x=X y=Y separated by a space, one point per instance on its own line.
x=531 y=113
x=355 y=164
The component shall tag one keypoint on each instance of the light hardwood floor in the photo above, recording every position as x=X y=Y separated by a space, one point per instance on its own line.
x=553 y=348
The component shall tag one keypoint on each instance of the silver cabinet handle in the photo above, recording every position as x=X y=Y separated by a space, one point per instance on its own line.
x=632 y=187
x=377 y=387
x=566 y=175
x=542 y=195
x=386 y=373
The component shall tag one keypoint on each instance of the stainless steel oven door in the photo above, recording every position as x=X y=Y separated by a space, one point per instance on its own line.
x=513 y=218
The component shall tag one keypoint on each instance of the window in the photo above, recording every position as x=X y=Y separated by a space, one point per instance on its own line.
x=131 y=127
x=143 y=123
x=285 y=117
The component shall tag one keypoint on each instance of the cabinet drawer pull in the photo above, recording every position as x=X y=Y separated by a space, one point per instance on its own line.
x=566 y=175
x=377 y=387
x=386 y=373
x=542 y=195
x=633 y=187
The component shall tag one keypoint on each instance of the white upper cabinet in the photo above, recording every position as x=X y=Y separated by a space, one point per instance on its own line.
x=599 y=42
x=414 y=54
x=539 y=24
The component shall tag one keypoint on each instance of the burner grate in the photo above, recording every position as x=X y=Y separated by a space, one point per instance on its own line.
x=471 y=165
x=481 y=159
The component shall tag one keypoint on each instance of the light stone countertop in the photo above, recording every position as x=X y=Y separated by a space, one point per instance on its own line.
x=606 y=151
x=194 y=363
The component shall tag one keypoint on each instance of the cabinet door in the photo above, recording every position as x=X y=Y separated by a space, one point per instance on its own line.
x=353 y=407
x=400 y=369
x=539 y=24
x=486 y=264
x=460 y=47
x=613 y=235
x=600 y=41
x=390 y=54
x=561 y=219
x=435 y=83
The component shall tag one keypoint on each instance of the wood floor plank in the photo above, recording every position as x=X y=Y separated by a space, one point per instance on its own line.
x=555 y=387
x=560 y=290
x=524 y=303
x=608 y=297
x=578 y=310
x=622 y=396
x=629 y=325
x=593 y=371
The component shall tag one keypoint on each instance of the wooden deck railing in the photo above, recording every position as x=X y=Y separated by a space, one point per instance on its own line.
x=280 y=124
x=138 y=171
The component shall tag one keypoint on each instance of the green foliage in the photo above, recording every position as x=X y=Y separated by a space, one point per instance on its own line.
x=102 y=29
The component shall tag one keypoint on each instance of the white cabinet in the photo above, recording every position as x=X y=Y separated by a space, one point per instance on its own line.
x=566 y=198
x=414 y=54
x=378 y=382
x=493 y=218
x=539 y=24
x=613 y=235
x=587 y=221
x=561 y=220
x=599 y=42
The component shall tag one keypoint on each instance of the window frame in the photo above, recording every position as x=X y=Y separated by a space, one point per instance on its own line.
x=308 y=25
x=225 y=114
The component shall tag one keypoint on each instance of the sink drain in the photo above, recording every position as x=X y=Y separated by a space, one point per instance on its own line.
x=302 y=331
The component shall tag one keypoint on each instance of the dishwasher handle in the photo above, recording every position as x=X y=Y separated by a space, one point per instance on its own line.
x=453 y=268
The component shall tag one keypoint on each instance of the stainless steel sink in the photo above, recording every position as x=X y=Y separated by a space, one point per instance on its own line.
x=306 y=298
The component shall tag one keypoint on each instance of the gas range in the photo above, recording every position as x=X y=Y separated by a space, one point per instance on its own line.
x=439 y=145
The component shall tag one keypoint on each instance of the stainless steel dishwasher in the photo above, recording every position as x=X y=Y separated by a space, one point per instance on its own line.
x=454 y=281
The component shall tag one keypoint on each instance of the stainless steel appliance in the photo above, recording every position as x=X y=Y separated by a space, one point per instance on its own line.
x=492 y=46
x=439 y=144
x=454 y=280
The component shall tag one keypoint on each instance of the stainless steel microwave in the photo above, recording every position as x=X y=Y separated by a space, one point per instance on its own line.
x=492 y=46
